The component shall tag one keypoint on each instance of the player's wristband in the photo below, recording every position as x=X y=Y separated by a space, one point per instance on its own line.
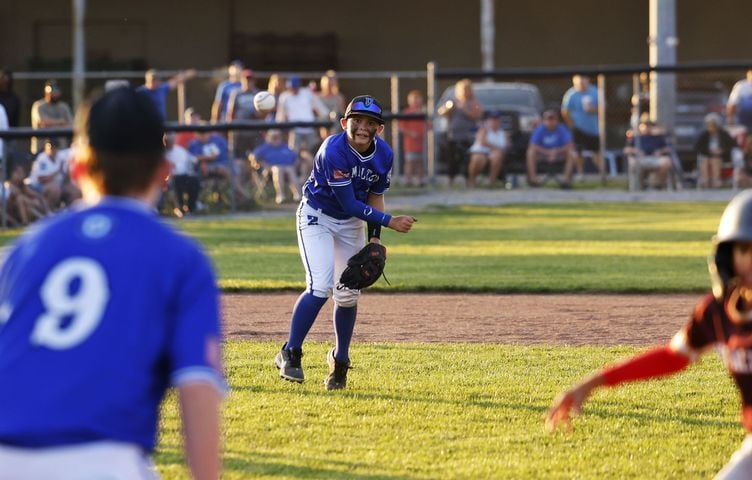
x=653 y=363
x=374 y=230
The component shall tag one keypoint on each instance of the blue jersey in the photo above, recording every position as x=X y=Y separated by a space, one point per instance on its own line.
x=215 y=144
x=279 y=155
x=158 y=96
x=101 y=310
x=339 y=166
x=556 y=138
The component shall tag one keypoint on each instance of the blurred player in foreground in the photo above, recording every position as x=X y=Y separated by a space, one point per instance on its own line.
x=346 y=187
x=102 y=308
x=722 y=319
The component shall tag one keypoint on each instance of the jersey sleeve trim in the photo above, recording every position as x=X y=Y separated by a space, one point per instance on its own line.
x=189 y=375
x=340 y=183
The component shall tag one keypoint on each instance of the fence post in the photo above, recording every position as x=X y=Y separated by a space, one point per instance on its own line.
x=181 y=102
x=396 y=175
x=602 y=127
x=431 y=111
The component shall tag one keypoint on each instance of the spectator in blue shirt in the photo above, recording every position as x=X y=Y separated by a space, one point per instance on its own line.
x=280 y=159
x=158 y=90
x=648 y=152
x=551 y=144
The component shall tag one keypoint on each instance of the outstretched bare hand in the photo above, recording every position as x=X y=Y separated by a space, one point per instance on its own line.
x=402 y=223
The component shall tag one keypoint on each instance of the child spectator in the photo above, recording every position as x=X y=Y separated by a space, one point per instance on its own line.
x=414 y=139
x=183 y=174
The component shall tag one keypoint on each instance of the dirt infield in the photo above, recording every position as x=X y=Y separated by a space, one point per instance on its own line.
x=579 y=319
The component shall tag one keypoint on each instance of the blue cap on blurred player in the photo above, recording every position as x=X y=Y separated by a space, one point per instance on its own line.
x=365 y=105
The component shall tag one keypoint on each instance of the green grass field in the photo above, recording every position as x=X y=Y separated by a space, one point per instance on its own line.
x=515 y=248
x=420 y=411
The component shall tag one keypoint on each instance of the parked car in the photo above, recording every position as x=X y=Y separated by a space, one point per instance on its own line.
x=520 y=104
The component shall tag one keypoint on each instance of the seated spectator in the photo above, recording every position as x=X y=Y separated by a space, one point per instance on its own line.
x=213 y=154
x=280 y=158
x=648 y=152
x=491 y=143
x=24 y=204
x=190 y=117
x=183 y=176
x=414 y=139
x=48 y=171
x=550 y=144
x=714 y=146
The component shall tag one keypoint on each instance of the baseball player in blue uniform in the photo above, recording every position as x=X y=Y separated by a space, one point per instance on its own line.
x=346 y=187
x=102 y=308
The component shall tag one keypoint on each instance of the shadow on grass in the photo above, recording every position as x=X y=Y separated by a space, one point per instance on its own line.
x=254 y=463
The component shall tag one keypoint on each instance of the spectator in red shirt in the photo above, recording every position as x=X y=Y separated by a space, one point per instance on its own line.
x=414 y=139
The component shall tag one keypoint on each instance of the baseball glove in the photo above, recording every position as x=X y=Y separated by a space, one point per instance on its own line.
x=365 y=267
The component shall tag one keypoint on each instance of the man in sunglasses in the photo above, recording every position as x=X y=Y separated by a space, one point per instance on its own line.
x=350 y=175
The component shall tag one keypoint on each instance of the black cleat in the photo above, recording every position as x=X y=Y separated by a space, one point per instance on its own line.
x=288 y=363
x=337 y=378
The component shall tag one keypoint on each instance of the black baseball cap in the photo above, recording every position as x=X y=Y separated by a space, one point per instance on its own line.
x=125 y=121
x=365 y=105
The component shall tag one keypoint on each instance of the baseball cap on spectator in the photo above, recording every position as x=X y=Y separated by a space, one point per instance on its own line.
x=294 y=82
x=124 y=121
x=494 y=114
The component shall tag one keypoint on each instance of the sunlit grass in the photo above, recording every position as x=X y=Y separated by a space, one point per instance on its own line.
x=463 y=411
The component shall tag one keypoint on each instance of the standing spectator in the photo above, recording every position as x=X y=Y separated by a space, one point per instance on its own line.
x=414 y=139
x=334 y=101
x=9 y=99
x=157 y=90
x=224 y=89
x=739 y=106
x=50 y=112
x=190 y=117
x=491 y=143
x=281 y=160
x=99 y=362
x=298 y=104
x=551 y=144
x=185 y=182
x=579 y=108
x=240 y=107
x=713 y=147
x=3 y=126
x=463 y=112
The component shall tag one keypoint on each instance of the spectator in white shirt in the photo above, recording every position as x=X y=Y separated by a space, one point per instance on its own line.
x=185 y=181
x=298 y=104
